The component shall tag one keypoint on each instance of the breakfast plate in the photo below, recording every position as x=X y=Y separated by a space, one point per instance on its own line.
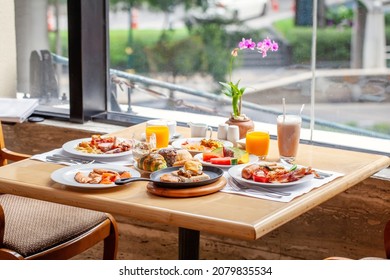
x=66 y=175
x=236 y=170
x=199 y=156
x=71 y=148
x=193 y=145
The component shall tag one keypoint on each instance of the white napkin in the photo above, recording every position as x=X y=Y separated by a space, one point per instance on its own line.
x=294 y=190
x=120 y=160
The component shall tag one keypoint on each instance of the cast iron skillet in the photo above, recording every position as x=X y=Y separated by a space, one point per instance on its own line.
x=214 y=172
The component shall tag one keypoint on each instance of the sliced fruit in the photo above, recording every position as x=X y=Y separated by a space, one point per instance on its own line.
x=224 y=161
x=216 y=153
x=241 y=155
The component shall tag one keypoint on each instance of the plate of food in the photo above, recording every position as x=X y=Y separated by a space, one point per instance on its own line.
x=226 y=157
x=271 y=174
x=99 y=147
x=92 y=176
x=199 y=145
x=191 y=174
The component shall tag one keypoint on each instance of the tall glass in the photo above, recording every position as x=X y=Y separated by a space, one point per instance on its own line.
x=289 y=132
x=162 y=135
x=257 y=143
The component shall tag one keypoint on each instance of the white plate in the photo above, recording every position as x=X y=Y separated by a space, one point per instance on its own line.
x=135 y=165
x=70 y=147
x=235 y=172
x=252 y=159
x=178 y=143
x=66 y=175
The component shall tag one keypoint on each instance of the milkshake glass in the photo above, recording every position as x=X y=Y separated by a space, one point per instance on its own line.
x=289 y=131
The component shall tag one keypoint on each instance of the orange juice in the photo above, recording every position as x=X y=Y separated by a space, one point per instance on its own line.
x=162 y=135
x=257 y=143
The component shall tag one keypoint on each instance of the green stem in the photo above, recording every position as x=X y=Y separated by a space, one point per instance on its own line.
x=239 y=106
x=235 y=106
x=231 y=68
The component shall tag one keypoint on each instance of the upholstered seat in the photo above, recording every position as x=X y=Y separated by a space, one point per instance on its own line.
x=33 y=225
x=35 y=229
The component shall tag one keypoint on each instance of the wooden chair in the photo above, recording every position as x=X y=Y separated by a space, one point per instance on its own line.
x=386 y=237
x=35 y=229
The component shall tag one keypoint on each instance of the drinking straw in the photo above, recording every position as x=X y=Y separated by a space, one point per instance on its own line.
x=300 y=112
x=284 y=108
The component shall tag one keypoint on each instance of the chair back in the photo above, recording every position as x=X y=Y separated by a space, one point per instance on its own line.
x=6 y=154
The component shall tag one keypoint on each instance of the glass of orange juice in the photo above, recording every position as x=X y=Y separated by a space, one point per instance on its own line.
x=161 y=132
x=257 y=143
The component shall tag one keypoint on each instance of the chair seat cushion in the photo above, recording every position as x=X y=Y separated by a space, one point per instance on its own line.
x=32 y=226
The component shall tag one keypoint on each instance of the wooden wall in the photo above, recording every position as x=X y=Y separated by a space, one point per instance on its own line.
x=350 y=225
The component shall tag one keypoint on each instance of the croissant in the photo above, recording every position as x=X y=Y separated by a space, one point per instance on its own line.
x=152 y=162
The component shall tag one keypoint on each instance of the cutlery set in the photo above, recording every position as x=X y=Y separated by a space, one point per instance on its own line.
x=256 y=190
x=69 y=159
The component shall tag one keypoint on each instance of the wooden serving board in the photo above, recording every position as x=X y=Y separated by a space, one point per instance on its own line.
x=187 y=192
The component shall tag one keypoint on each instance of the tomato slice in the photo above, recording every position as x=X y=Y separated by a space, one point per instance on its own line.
x=260 y=177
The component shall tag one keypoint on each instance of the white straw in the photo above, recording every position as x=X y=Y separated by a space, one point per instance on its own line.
x=284 y=108
x=300 y=112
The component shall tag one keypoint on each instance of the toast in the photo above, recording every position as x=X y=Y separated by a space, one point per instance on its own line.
x=174 y=177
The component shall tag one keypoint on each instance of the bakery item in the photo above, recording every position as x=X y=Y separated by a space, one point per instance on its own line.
x=169 y=155
x=182 y=156
x=152 y=162
x=192 y=171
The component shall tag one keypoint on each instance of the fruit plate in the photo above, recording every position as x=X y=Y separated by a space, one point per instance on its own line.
x=199 y=156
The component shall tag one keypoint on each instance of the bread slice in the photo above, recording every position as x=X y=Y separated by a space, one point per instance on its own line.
x=177 y=178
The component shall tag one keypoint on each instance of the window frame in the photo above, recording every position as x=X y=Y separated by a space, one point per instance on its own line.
x=88 y=68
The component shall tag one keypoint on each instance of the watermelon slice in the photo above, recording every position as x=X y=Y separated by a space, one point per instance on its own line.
x=227 y=152
x=224 y=161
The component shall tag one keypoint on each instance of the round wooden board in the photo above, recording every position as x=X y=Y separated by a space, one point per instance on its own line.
x=187 y=192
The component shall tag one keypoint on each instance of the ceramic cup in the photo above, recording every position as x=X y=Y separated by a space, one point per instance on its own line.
x=200 y=130
x=159 y=122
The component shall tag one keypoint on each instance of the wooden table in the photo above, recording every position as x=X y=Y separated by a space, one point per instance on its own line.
x=219 y=213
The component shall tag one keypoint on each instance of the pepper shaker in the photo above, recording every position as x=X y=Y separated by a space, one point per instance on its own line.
x=233 y=134
x=222 y=131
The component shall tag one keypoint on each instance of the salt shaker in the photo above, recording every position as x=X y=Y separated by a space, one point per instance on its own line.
x=222 y=131
x=233 y=134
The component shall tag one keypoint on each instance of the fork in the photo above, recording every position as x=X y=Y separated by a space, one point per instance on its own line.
x=68 y=160
x=236 y=187
x=255 y=188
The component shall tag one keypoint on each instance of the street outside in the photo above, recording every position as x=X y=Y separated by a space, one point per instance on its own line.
x=362 y=114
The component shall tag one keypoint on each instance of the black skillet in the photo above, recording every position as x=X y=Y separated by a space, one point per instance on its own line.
x=214 y=173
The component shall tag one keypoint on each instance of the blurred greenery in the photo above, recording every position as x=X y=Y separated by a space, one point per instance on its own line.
x=212 y=53
x=333 y=44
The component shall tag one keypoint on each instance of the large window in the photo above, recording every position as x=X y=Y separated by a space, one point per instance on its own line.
x=41 y=30
x=171 y=56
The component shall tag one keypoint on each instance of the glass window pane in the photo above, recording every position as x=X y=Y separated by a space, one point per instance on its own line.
x=42 y=51
x=161 y=49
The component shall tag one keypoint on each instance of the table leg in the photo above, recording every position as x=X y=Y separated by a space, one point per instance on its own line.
x=188 y=244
